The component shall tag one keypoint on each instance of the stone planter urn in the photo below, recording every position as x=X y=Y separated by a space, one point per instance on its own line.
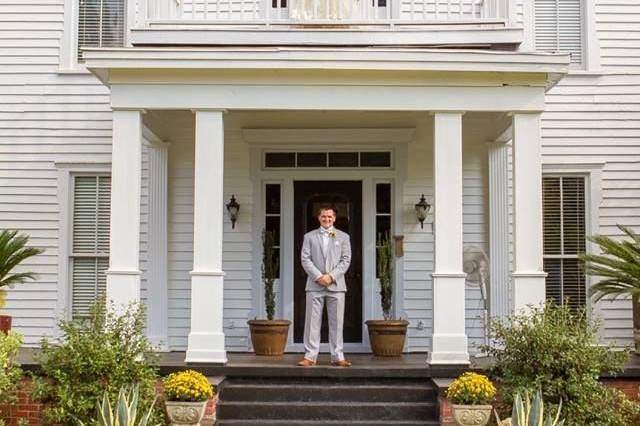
x=471 y=415
x=182 y=413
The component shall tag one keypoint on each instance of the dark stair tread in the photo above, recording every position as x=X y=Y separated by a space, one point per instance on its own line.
x=339 y=392
x=251 y=422
x=326 y=403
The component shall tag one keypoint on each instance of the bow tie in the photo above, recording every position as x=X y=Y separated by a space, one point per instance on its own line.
x=326 y=231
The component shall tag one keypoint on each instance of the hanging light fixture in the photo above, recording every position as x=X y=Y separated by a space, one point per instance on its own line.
x=232 y=209
x=422 y=210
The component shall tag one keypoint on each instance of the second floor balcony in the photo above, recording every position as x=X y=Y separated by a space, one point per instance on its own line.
x=328 y=22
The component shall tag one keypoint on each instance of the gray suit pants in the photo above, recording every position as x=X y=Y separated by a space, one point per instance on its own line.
x=313 y=323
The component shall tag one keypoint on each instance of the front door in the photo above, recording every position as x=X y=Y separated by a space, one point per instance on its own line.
x=346 y=196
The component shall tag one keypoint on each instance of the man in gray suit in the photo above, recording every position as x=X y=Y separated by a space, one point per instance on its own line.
x=325 y=257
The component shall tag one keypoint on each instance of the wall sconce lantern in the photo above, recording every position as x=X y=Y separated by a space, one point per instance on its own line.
x=422 y=209
x=233 y=208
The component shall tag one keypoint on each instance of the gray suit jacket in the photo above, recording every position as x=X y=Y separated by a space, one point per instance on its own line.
x=335 y=263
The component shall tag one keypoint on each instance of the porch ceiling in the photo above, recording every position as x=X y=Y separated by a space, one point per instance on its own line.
x=104 y=62
x=179 y=125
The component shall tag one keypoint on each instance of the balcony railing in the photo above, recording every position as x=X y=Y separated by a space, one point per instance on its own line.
x=325 y=12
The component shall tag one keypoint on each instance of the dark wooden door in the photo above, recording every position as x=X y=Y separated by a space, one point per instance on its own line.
x=347 y=197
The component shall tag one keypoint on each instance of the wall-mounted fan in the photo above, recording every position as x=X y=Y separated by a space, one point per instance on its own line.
x=475 y=263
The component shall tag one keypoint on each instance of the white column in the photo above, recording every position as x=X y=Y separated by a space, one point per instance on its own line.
x=528 y=274
x=123 y=276
x=499 y=305
x=157 y=285
x=206 y=338
x=449 y=336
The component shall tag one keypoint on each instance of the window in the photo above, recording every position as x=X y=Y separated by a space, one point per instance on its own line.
x=376 y=159
x=89 y=257
x=272 y=217
x=101 y=23
x=563 y=203
x=558 y=27
x=383 y=214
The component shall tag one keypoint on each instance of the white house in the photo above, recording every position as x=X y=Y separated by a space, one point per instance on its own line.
x=126 y=126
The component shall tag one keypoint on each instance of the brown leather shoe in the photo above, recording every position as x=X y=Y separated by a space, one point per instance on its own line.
x=304 y=362
x=341 y=363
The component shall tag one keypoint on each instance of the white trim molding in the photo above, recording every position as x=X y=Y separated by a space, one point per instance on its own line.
x=356 y=135
x=157 y=251
x=499 y=229
x=449 y=331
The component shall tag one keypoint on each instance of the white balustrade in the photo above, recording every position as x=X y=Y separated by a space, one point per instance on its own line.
x=265 y=12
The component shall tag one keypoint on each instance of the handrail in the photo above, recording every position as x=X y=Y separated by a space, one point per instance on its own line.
x=326 y=12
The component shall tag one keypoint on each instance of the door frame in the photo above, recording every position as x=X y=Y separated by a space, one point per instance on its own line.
x=396 y=175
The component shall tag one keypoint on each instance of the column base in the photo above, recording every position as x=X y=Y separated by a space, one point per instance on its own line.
x=160 y=343
x=449 y=349
x=123 y=288
x=206 y=348
x=528 y=290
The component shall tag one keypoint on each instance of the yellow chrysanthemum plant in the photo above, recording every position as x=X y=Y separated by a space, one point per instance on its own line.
x=471 y=389
x=188 y=385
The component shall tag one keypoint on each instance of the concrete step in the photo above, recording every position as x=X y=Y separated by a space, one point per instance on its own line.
x=340 y=391
x=340 y=411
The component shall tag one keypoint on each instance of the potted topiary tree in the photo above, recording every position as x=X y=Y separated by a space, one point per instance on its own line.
x=386 y=336
x=269 y=337
x=13 y=251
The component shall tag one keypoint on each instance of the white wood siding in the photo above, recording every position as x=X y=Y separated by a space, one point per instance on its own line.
x=44 y=118
x=596 y=118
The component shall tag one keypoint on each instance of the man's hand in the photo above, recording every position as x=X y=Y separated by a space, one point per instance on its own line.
x=325 y=280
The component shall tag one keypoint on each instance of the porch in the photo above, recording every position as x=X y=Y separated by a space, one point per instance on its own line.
x=433 y=126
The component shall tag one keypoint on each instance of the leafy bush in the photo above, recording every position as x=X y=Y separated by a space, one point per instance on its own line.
x=555 y=349
x=10 y=372
x=102 y=353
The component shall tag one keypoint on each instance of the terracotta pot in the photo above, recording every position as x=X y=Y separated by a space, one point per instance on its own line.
x=387 y=337
x=5 y=324
x=471 y=415
x=182 y=413
x=269 y=337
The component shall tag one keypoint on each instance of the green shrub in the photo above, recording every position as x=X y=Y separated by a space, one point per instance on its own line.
x=102 y=353
x=10 y=372
x=555 y=348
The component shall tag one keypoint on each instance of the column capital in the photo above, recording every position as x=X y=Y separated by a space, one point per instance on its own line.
x=446 y=112
x=532 y=112
x=130 y=109
x=196 y=110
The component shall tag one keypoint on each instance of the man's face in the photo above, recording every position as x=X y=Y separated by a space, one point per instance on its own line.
x=326 y=218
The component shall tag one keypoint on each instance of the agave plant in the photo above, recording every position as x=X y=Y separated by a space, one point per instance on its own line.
x=619 y=269
x=126 y=410
x=530 y=413
x=13 y=251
